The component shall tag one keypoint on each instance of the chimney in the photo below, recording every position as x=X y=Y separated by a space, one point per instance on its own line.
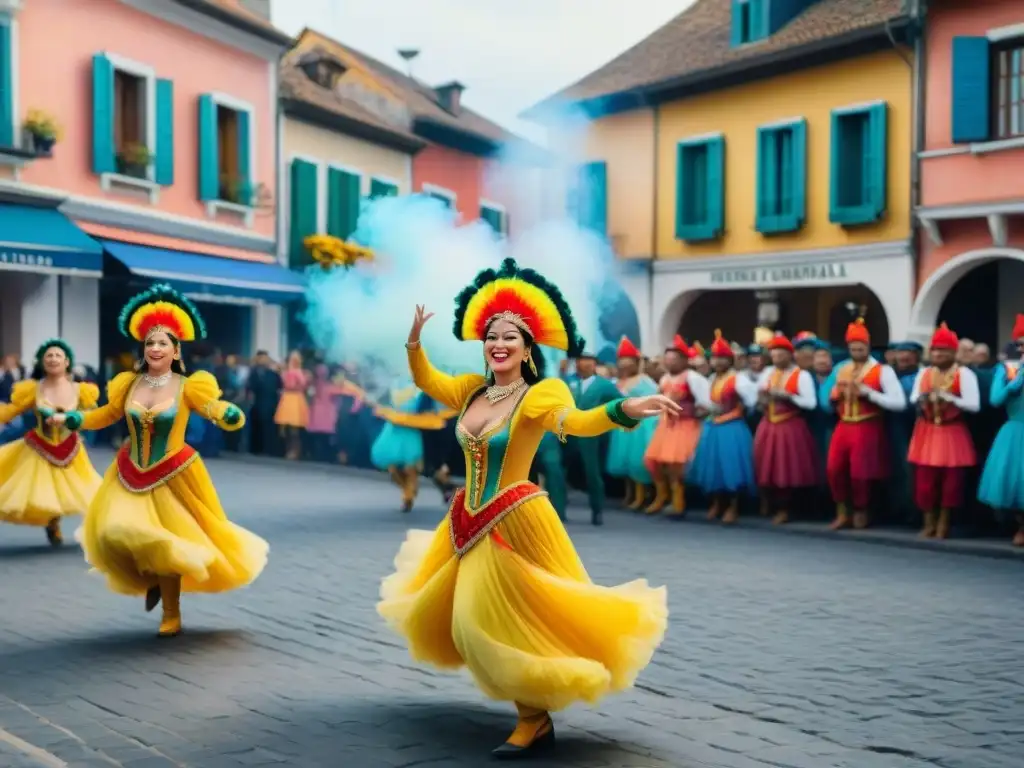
x=450 y=96
x=260 y=7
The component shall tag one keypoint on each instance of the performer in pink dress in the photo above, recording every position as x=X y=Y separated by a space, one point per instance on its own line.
x=785 y=454
x=858 y=455
x=675 y=439
x=941 y=448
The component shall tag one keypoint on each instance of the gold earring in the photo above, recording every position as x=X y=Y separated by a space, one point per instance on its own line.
x=533 y=366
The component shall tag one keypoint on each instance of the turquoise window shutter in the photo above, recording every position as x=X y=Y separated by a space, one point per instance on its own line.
x=758 y=19
x=209 y=165
x=103 y=154
x=597 y=197
x=164 y=133
x=681 y=195
x=835 y=162
x=244 y=157
x=303 y=210
x=737 y=23
x=343 y=202
x=798 y=174
x=877 y=167
x=380 y=188
x=492 y=217
x=971 y=89
x=716 y=187
x=6 y=87
x=767 y=180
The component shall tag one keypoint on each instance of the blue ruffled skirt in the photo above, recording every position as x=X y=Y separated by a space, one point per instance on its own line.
x=1002 y=481
x=724 y=462
x=397 y=447
x=626 y=452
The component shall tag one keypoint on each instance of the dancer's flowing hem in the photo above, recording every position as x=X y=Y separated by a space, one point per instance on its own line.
x=397 y=446
x=519 y=611
x=674 y=441
x=1002 y=482
x=292 y=410
x=37 y=489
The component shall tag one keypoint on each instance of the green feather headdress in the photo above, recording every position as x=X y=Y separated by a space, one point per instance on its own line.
x=60 y=344
x=160 y=307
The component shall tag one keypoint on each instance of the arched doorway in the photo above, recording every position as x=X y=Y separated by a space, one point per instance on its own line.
x=825 y=311
x=975 y=293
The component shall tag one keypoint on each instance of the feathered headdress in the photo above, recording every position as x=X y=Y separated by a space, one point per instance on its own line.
x=720 y=347
x=161 y=308
x=61 y=345
x=522 y=297
x=857 y=331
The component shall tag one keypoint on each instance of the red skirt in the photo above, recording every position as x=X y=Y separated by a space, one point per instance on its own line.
x=785 y=455
x=860 y=448
x=942 y=445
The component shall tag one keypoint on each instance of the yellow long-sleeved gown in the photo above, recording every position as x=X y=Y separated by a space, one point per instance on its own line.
x=47 y=474
x=157 y=512
x=518 y=609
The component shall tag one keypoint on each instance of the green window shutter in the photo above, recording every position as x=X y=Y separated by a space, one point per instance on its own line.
x=6 y=86
x=971 y=89
x=758 y=19
x=493 y=217
x=303 y=207
x=835 y=163
x=103 y=160
x=716 y=187
x=343 y=201
x=876 y=175
x=164 y=133
x=209 y=165
x=244 y=156
x=682 y=197
x=737 y=23
x=593 y=196
x=380 y=188
x=798 y=174
x=767 y=180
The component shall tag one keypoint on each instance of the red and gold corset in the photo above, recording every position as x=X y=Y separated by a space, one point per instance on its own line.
x=783 y=410
x=934 y=381
x=723 y=393
x=850 y=404
x=678 y=388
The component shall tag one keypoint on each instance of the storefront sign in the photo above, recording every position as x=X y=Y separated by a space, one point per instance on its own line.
x=22 y=258
x=801 y=273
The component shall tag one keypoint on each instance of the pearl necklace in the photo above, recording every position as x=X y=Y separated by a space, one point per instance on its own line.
x=157 y=381
x=496 y=393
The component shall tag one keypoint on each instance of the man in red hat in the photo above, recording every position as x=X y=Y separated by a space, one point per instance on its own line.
x=858 y=455
x=941 y=448
x=785 y=456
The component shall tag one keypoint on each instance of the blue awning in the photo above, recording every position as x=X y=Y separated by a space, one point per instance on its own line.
x=45 y=240
x=197 y=274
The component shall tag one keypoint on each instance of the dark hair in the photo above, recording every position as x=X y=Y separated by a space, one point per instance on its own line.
x=538 y=360
x=39 y=373
x=176 y=365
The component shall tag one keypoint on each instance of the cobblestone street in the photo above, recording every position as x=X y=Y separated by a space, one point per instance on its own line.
x=783 y=651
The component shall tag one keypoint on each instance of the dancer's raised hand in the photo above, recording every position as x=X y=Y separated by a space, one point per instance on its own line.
x=418 y=322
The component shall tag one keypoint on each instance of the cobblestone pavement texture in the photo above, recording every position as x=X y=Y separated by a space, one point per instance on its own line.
x=785 y=652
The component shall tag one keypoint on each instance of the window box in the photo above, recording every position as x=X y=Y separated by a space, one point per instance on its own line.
x=859 y=167
x=781 y=177
x=700 y=188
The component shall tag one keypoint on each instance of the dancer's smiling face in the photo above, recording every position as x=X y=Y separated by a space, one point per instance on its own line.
x=504 y=347
x=55 y=362
x=161 y=349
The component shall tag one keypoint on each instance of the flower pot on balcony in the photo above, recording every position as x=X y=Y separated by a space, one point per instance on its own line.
x=128 y=168
x=43 y=144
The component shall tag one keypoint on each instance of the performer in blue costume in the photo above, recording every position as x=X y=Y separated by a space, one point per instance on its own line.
x=1002 y=482
x=626 y=449
x=724 y=465
x=398 y=449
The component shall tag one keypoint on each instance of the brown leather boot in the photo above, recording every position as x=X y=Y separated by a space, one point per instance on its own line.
x=639 y=496
x=678 y=498
x=781 y=517
x=942 y=529
x=732 y=512
x=842 y=518
x=716 y=507
x=661 y=498
x=53 y=534
x=860 y=519
x=410 y=488
x=931 y=520
x=170 y=594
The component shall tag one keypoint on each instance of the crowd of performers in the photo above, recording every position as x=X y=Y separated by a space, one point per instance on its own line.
x=777 y=429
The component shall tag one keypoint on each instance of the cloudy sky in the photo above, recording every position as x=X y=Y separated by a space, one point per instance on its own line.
x=508 y=54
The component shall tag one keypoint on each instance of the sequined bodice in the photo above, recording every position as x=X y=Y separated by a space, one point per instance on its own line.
x=150 y=430
x=485 y=459
x=45 y=409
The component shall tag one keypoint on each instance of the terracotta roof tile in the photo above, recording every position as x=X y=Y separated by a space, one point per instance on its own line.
x=699 y=39
x=420 y=98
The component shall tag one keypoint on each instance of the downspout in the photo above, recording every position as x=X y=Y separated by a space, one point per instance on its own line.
x=654 y=228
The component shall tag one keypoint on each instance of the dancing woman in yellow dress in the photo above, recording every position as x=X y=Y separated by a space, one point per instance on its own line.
x=498 y=587
x=47 y=474
x=156 y=527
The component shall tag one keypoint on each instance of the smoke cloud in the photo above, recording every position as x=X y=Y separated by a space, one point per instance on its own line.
x=423 y=255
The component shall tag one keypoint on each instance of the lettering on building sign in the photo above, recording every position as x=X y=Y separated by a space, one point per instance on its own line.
x=28 y=259
x=769 y=275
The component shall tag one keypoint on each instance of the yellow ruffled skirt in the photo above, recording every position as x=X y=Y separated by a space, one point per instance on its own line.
x=524 y=619
x=176 y=529
x=33 y=491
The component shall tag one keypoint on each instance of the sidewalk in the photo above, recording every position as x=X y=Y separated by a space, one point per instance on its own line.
x=892 y=537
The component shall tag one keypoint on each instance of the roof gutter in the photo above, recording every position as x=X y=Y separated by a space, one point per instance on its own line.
x=238 y=22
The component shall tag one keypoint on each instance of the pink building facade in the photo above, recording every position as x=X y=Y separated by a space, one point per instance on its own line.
x=971 y=211
x=167 y=162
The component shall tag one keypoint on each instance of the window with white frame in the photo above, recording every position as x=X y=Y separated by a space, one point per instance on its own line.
x=226 y=152
x=445 y=196
x=131 y=110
